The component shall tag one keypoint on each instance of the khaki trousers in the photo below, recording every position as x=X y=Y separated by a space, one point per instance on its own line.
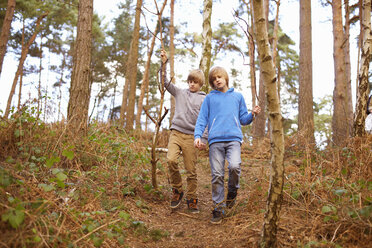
x=182 y=142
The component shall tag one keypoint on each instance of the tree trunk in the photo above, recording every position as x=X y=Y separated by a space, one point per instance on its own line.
x=157 y=121
x=39 y=100
x=78 y=105
x=145 y=81
x=45 y=104
x=275 y=36
x=5 y=30
x=21 y=63
x=60 y=85
x=251 y=53
x=275 y=44
x=305 y=106
x=171 y=59
x=363 y=88
x=131 y=75
x=259 y=125
x=252 y=65
x=274 y=200
x=20 y=90
x=350 y=114
x=21 y=73
x=205 y=61
x=124 y=103
x=340 y=130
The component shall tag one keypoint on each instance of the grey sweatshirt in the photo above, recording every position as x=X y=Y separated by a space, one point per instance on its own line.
x=187 y=108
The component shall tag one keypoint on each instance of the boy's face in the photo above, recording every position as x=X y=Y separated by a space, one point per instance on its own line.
x=220 y=83
x=193 y=87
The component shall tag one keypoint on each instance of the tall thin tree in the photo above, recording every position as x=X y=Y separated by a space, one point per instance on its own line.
x=259 y=125
x=305 y=105
x=350 y=113
x=171 y=59
x=275 y=194
x=24 y=54
x=5 y=30
x=21 y=73
x=78 y=105
x=145 y=81
x=363 y=87
x=131 y=75
x=251 y=51
x=340 y=129
x=205 y=61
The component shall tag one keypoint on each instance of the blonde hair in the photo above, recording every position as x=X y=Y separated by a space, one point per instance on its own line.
x=218 y=71
x=197 y=76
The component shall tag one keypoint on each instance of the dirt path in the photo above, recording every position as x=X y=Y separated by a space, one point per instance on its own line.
x=240 y=228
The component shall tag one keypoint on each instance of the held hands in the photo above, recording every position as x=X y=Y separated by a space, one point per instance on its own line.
x=256 y=110
x=163 y=56
x=199 y=144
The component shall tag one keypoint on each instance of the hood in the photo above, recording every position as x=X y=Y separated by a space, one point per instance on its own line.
x=219 y=92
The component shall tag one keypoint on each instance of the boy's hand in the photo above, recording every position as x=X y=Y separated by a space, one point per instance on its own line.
x=202 y=146
x=199 y=144
x=163 y=56
x=256 y=110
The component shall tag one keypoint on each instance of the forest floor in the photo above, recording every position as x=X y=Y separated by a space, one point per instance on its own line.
x=301 y=223
x=96 y=191
x=241 y=226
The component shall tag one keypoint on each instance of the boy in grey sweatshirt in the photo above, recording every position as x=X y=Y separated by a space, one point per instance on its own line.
x=188 y=103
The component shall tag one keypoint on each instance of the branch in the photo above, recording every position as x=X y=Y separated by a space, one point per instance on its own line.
x=165 y=113
x=148 y=114
x=191 y=50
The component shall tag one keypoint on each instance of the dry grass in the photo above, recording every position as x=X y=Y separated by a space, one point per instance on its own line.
x=96 y=192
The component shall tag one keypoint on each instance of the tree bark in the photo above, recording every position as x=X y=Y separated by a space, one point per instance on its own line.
x=24 y=54
x=350 y=114
x=251 y=52
x=275 y=36
x=78 y=105
x=21 y=72
x=274 y=200
x=205 y=61
x=124 y=103
x=252 y=65
x=340 y=130
x=305 y=108
x=5 y=30
x=39 y=100
x=145 y=81
x=131 y=75
x=259 y=125
x=171 y=60
x=363 y=88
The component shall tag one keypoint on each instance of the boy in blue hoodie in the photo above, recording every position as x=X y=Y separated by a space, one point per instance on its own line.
x=223 y=111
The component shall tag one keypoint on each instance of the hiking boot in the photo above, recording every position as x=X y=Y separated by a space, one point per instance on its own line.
x=217 y=216
x=192 y=205
x=231 y=199
x=176 y=198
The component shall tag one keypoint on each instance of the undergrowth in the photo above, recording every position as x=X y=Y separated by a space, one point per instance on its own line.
x=59 y=191
x=56 y=191
x=330 y=193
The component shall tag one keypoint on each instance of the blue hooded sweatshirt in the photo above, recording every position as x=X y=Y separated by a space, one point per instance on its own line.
x=223 y=113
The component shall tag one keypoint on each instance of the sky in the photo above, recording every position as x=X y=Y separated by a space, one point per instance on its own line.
x=322 y=40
